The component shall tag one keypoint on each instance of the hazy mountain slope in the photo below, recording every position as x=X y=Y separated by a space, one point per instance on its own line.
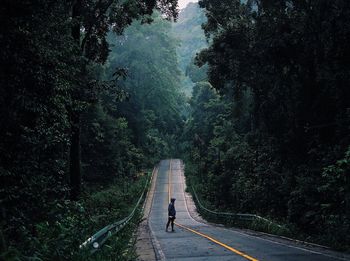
x=191 y=37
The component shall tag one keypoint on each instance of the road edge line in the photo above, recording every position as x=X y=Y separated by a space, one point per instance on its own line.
x=158 y=253
x=156 y=245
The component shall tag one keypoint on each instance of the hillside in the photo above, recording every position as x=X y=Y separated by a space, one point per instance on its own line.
x=188 y=30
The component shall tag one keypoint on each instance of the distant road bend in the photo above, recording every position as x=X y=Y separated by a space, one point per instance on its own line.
x=197 y=241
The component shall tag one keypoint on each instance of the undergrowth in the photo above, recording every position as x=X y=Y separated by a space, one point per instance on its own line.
x=73 y=222
x=272 y=226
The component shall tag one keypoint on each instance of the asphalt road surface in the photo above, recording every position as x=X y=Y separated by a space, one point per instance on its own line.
x=193 y=240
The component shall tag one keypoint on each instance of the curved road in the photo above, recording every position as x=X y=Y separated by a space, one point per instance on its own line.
x=193 y=240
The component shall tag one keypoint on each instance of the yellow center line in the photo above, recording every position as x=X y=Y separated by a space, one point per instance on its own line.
x=169 y=180
x=218 y=242
x=204 y=235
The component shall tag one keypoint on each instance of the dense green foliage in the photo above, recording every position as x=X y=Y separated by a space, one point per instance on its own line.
x=91 y=96
x=155 y=104
x=189 y=31
x=277 y=142
x=108 y=153
x=63 y=129
x=191 y=38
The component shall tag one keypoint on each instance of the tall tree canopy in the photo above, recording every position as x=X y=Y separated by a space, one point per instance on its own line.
x=283 y=68
x=50 y=54
x=153 y=108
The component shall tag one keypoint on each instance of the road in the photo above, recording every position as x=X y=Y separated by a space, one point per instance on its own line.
x=193 y=240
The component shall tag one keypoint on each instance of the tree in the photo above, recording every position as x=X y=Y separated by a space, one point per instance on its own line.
x=91 y=21
x=48 y=53
x=285 y=65
x=154 y=105
x=36 y=75
x=190 y=35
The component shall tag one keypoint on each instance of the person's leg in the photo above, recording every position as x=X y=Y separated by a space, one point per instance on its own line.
x=172 y=224
x=167 y=224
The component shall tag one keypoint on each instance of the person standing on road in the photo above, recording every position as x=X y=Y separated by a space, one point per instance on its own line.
x=171 y=215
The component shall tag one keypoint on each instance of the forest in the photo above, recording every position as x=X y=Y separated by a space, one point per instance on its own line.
x=253 y=95
x=269 y=131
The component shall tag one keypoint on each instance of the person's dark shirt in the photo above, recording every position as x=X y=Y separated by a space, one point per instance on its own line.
x=171 y=210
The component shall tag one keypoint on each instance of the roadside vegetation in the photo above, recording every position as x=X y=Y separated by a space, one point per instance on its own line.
x=93 y=93
x=269 y=129
x=88 y=103
x=70 y=223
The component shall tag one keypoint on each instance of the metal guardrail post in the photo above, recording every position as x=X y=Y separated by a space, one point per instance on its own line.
x=97 y=240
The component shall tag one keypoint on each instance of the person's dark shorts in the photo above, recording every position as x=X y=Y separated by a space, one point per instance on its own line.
x=171 y=218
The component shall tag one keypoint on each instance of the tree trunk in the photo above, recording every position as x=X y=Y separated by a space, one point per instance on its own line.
x=76 y=13
x=347 y=193
x=3 y=247
x=74 y=163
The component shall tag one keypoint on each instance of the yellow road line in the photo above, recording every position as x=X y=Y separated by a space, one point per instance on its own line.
x=169 y=181
x=219 y=243
x=204 y=235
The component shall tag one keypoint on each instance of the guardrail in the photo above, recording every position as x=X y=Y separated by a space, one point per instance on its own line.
x=97 y=240
x=236 y=216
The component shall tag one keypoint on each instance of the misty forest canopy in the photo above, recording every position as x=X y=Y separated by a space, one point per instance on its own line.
x=253 y=95
x=188 y=30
